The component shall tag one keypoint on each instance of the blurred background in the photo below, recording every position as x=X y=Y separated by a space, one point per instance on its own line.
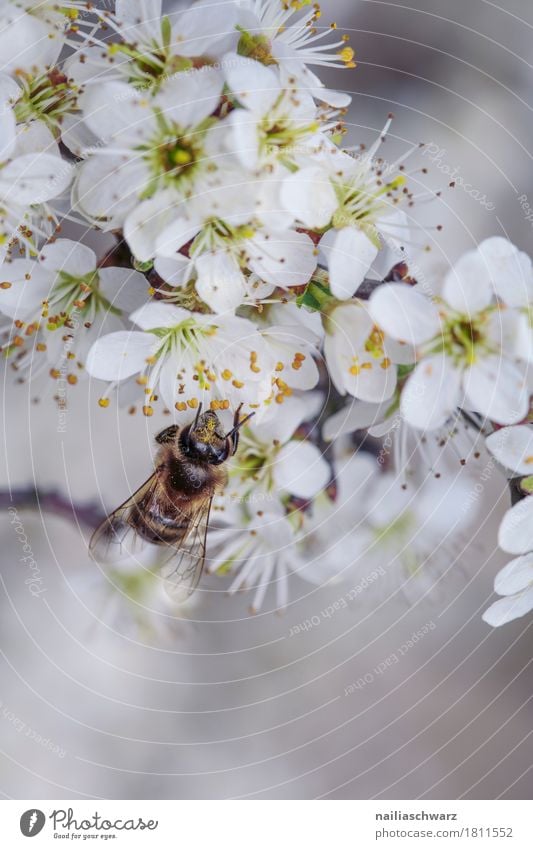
x=101 y=698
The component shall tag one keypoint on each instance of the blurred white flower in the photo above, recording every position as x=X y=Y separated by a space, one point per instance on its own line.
x=261 y=553
x=378 y=521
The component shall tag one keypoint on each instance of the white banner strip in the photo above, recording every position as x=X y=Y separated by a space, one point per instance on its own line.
x=268 y=824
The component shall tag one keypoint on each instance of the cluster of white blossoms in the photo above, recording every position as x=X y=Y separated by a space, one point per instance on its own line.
x=259 y=260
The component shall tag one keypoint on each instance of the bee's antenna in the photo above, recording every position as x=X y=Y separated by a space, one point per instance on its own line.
x=200 y=405
x=238 y=426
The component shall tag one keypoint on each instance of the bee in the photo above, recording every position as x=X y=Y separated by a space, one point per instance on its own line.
x=171 y=509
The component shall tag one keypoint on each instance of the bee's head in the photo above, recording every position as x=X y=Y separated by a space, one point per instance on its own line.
x=205 y=440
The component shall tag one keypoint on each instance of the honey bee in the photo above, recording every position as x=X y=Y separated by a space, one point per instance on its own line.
x=171 y=508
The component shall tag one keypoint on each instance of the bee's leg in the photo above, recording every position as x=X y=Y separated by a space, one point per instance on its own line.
x=234 y=434
x=167 y=435
x=237 y=424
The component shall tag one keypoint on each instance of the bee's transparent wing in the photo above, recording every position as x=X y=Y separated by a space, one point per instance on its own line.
x=116 y=538
x=182 y=573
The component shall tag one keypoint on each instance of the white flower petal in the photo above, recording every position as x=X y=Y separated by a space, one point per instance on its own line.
x=34 y=178
x=107 y=187
x=309 y=195
x=301 y=470
x=243 y=138
x=144 y=224
x=173 y=270
x=113 y=108
x=220 y=282
x=68 y=256
x=176 y=235
x=467 y=287
x=7 y=132
x=255 y=86
x=431 y=393
x=282 y=259
x=124 y=288
x=36 y=137
x=515 y=577
x=509 y=269
x=120 y=355
x=158 y=314
x=349 y=253
x=515 y=534
x=513 y=448
x=357 y=415
x=404 y=313
x=506 y=609
x=188 y=99
x=497 y=388
x=29 y=286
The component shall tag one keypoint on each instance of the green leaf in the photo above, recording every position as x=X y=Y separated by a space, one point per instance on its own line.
x=315 y=296
x=405 y=371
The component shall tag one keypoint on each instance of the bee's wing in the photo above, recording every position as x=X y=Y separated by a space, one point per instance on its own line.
x=116 y=537
x=183 y=572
